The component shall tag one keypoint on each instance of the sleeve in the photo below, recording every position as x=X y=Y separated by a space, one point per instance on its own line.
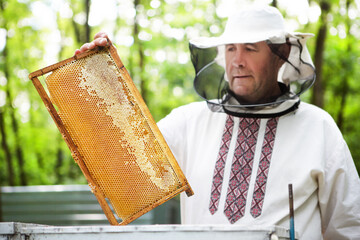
x=173 y=128
x=339 y=195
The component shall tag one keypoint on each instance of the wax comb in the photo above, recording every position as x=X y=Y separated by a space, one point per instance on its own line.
x=111 y=133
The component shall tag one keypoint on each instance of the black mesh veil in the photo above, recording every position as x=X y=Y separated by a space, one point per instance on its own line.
x=209 y=81
x=295 y=76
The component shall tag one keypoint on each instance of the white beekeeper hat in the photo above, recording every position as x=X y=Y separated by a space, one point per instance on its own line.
x=250 y=25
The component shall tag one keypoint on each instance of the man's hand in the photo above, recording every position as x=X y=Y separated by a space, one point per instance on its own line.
x=100 y=39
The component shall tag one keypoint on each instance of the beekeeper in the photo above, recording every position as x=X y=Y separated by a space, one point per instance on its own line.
x=252 y=136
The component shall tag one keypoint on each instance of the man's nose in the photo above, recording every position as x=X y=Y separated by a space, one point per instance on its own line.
x=238 y=60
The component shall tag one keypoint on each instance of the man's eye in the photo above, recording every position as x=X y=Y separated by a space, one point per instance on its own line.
x=251 y=49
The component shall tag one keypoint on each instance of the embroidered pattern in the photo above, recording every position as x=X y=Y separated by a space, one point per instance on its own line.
x=264 y=165
x=241 y=169
x=220 y=165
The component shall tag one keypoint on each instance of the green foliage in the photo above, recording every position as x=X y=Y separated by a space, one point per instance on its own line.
x=166 y=77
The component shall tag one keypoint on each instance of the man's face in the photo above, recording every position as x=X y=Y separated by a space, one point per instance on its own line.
x=252 y=72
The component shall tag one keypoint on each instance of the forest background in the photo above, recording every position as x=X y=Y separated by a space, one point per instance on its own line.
x=152 y=41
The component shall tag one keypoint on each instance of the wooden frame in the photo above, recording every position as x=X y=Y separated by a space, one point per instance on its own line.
x=74 y=149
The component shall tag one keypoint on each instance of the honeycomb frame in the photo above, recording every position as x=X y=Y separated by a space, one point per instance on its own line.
x=93 y=114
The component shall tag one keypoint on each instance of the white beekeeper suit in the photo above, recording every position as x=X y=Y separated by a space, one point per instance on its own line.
x=239 y=159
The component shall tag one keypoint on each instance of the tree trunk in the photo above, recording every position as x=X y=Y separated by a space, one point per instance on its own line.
x=82 y=32
x=15 y=129
x=19 y=151
x=318 y=89
x=345 y=82
x=59 y=163
x=1 y=211
x=140 y=52
x=4 y=143
x=8 y=107
x=274 y=3
x=87 y=26
x=7 y=154
x=76 y=31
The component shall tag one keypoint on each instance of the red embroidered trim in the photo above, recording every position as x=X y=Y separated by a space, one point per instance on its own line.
x=264 y=165
x=241 y=169
x=220 y=165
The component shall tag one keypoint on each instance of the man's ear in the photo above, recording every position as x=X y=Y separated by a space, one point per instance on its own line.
x=287 y=48
x=281 y=50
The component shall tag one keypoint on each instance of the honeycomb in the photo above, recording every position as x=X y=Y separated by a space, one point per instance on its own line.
x=116 y=139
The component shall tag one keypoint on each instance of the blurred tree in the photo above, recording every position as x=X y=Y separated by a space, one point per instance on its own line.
x=138 y=48
x=9 y=23
x=318 y=88
x=341 y=58
x=80 y=21
x=346 y=63
x=152 y=41
x=274 y=3
x=7 y=154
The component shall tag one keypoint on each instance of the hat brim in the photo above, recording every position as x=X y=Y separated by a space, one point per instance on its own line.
x=274 y=37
